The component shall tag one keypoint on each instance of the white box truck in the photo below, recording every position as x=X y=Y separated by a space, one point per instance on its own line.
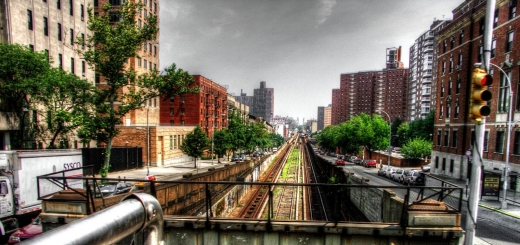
x=18 y=183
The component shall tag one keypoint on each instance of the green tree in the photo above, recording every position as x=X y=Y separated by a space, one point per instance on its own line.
x=107 y=51
x=329 y=136
x=195 y=143
x=395 y=126
x=21 y=72
x=371 y=132
x=403 y=133
x=276 y=140
x=63 y=102
x=417 y=149
x=422 y=128
x=236 y=132
x=221 y=143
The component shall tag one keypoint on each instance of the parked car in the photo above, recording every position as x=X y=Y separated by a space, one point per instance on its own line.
x=382 y=170
x=389 y=172
x=275 y=149
x=29 y=231
x=340 y=161
x=426 y=168
x=416 y=178
x=333 y=154
x=115 y=188
x=396 y=174
x=404 y=175
x=370 y=163
x=358 y=161
x=238 y=157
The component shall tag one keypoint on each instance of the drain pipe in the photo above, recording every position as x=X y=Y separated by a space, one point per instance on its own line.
x=136 y=212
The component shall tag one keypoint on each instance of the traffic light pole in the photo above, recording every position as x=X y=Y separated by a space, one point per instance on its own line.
x=471 y=220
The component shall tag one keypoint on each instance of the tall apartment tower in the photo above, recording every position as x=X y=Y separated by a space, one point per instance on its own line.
x=459 y=48
x=48 y=26
x=146 y=60
x=324 y=117
x=423 y=57
x=372 y=91
x=261 y=104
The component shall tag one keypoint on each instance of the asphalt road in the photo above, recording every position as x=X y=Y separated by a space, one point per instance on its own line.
x=492 y=227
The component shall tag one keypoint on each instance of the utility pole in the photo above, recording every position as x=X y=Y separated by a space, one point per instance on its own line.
x=476 y=171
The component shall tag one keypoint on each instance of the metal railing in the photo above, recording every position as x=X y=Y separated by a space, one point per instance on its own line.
x=135 y=213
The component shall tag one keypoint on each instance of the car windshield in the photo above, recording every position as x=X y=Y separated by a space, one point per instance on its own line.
x=108 y=188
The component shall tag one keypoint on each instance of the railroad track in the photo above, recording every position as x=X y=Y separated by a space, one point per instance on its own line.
x=255 y=205
x=288 y=201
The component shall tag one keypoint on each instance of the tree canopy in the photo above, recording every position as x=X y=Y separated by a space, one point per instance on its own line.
x=195 y=143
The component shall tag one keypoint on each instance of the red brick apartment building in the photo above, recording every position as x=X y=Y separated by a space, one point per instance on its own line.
x=208 y=108
x=460 y=47
x=371 y=91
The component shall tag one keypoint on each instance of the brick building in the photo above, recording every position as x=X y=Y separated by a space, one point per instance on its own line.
x=324 y=117
x=459 y=48
x=208 y=108
x=371 y=91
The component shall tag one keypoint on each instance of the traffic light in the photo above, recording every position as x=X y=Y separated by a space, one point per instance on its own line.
x=480 y=95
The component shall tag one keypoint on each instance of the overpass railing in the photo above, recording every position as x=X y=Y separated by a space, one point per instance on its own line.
x=211 y=199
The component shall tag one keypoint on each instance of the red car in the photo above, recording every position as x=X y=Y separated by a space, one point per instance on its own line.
x=340 y=161
x=371 y=164
x=26 y=232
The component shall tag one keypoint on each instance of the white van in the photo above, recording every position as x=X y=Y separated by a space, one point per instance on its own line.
x=275 y=149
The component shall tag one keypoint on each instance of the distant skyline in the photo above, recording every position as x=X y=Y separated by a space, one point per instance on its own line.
x=299 y=47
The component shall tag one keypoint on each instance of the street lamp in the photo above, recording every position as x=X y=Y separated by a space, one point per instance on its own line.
x=503 y=203
x=389 y=136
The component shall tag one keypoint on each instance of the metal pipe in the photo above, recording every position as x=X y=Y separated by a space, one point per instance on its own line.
x=137 y=212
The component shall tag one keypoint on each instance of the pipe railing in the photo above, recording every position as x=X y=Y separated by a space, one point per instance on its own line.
x=138 y=212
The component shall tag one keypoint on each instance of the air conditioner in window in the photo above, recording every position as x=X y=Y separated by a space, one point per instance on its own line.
x=457 y=67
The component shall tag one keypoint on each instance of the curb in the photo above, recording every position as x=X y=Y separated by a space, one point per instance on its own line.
x=498 y=210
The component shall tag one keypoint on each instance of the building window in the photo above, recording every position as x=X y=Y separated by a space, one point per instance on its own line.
x=145 y=63
x=82 y=9
x=72 y=70
x=139 y=23
x=516 y=144
x=461 y=37
x=154 y=50
x=45 y=26
x=480 y=53
x=47 y=53
x=503 y=101
x=482 y=26
x=454 y=138
x=436 y=162
x=443 y=67
x=444 y=46
x=182 y=122
x=493 y=48
x=486 y=140
x=451 y=64
x=443 y=164
x=29 y=19
x=171 y=111
x=96 y=3
x=509 y=42
x=58 y=4
x=172 y=99
x=512 y=9
x=450 y=87
x=460 y=61
x=71 y=36
x=446 y=138
x=457 y=110
x=182 y=111
x=60 y=61
x=82 y=41
x=171 y=122
x=452 y=42
x=459 y=84
x=438 y=137
x=71 y=7
x=31 y=47
x=150 y=65
x=115 y=2
x=499 y=144
x=83 y=68
x=97 y=78
x=150 y=47
x=59 y=31
x=442 y=90
x=171 y=143
x=495 y=21
x=452 y=163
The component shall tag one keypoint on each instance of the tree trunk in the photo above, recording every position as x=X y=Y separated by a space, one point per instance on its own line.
x=195 y=161
x=106 y=163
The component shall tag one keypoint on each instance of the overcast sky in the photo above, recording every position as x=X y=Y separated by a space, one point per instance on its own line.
x=299 y=47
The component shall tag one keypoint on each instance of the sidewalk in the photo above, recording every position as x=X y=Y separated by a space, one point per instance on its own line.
x=491 y=203
x=170 y=172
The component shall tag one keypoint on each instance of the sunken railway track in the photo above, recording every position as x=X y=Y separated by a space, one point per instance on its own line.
x=254 y=206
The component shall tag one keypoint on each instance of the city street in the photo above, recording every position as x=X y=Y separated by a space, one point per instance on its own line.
x=492 y=227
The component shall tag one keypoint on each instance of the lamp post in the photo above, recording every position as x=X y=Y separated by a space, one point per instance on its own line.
x=389 y=136
x=503 y=203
